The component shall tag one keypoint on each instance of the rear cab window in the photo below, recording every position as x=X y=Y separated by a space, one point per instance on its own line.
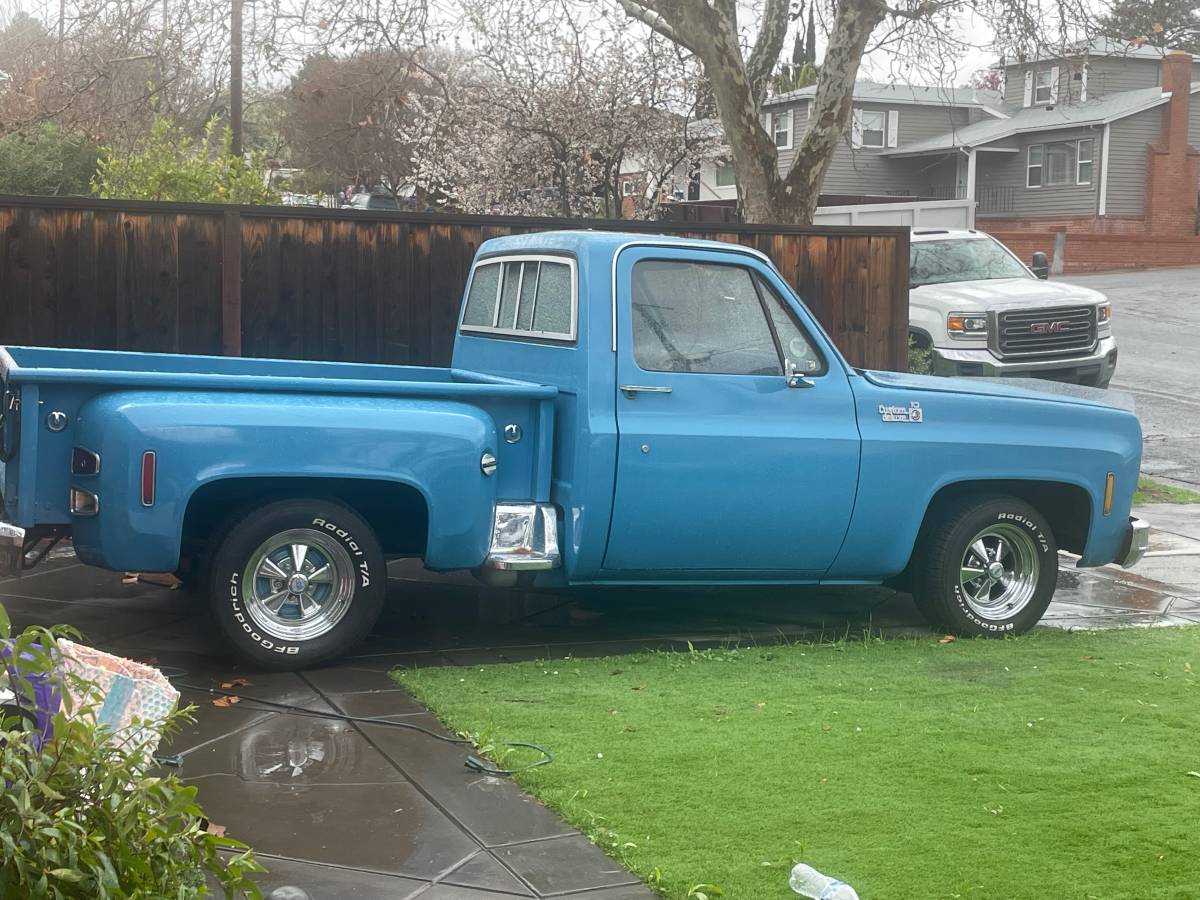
x=523 y=296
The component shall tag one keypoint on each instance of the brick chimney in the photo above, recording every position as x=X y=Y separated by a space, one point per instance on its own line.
x=1173 y=168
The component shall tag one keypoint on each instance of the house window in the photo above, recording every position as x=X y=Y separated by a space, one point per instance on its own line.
x=1033 y=167
x=1043 y=86
x=1083 y=162
x=1060 y=163
x=782 y=129
x=629 y=187
x=874 y=127
x=725 y=175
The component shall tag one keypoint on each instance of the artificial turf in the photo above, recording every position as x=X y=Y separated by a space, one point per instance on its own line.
x=1052 y=766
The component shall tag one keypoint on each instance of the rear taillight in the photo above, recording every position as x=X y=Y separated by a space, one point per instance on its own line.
x=149 y=464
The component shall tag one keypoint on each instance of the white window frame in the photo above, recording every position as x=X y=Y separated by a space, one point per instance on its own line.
x=1079 y=160
x=1038 y=87
x=497 y=330
x=776 y=131
x=1040 y=166
x=627 y=187
x=862 y=128
x=718 y=168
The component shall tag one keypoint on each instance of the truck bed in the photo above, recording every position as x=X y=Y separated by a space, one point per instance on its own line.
x=48 y=391
x=119 y=369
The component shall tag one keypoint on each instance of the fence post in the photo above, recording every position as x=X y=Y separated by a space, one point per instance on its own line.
x=231 y=283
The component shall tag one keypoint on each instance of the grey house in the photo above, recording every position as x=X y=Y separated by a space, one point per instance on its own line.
x=1079 y=141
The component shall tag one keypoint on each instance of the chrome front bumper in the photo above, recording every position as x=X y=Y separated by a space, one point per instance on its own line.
x=1137 y=540
x=1100 y=363
x=12 y=550
x=524 y=538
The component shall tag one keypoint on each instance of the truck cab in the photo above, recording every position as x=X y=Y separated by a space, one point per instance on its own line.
x=620 y=409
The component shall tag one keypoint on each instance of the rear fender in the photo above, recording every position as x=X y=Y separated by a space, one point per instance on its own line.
x=433 y=446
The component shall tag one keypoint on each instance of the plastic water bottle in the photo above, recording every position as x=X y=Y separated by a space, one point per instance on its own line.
x=808 y=882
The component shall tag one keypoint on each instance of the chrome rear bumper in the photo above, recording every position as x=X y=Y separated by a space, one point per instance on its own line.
x=1137 y=540
x=12 y=550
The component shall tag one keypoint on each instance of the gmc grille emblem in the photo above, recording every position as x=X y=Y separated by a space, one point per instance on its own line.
x=1049 y=327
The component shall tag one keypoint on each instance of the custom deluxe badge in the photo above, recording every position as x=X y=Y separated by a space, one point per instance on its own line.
x=910 y=413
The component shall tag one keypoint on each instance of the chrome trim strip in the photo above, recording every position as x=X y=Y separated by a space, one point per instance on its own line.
x=714 y=246
x=495 y=329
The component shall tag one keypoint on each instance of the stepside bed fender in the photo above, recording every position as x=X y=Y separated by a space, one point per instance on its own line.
x=199 y=438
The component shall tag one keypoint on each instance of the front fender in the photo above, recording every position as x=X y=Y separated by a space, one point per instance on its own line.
x=970 y=431
x=433 y=446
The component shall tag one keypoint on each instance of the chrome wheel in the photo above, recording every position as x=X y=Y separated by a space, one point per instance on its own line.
x=999 y=572
x=298 y=584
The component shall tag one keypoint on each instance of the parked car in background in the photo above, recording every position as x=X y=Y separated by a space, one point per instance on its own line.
x=373 y=200
x=981 y=311
x=620 y=409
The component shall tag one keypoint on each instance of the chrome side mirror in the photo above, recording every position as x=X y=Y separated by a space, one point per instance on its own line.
x=793 y=376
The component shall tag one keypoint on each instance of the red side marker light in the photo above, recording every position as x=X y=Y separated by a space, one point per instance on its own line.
x=149 y=466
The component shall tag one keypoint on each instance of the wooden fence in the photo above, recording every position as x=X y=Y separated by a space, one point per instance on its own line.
x=352 y=285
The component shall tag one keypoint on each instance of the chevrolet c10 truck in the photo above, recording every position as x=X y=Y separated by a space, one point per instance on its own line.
x=620 y=409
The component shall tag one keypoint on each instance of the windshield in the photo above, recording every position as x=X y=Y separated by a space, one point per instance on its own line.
x=965 y=259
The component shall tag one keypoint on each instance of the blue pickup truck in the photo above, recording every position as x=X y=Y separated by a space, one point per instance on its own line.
x=621 y=409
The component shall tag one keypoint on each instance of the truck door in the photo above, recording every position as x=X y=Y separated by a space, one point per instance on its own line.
x=721 y=465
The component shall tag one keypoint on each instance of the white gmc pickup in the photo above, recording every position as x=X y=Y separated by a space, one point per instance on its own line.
x=981 y=311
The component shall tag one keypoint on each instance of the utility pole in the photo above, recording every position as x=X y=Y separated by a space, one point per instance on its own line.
x=235 y=78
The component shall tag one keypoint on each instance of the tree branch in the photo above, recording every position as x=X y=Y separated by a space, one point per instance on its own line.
x=771 y=34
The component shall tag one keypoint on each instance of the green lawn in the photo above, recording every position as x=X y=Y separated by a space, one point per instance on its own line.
x=1151 y=491
x=1051 y=767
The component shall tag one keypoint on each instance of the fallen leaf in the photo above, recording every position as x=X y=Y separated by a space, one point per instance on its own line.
x=1194 y=774
x=226 y=701
x=162 y=579
x=235 y=683
x=638 y=687
x=760 y=705
x=215 y=829
x=947 y=639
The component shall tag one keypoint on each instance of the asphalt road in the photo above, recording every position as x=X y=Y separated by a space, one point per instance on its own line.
x=1156 y=320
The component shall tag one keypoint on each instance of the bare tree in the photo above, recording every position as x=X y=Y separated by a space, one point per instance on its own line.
x=739 y=75
x=549 y=105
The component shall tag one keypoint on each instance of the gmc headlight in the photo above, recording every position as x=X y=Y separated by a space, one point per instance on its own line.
x=1103 y=313
x=964 y=324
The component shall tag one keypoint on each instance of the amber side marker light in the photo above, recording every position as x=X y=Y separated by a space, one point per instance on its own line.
x=1109 y=483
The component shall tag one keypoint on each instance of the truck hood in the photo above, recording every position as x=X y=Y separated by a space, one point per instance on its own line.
x=1003 y=293
x=1021 y=388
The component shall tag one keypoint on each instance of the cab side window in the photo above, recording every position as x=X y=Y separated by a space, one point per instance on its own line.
x=700 y=317
x=712 y=318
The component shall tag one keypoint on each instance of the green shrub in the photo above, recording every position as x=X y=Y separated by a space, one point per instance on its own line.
x=920 y=359
x=172 y=166
x=46 y=160
x=79 y=818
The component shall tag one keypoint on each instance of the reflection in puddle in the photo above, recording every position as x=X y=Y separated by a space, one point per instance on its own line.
x=307 y=750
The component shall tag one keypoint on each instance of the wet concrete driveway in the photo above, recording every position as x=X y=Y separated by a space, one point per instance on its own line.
x=356 y=809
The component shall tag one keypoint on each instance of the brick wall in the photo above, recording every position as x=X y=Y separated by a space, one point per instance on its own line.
x=1070 y=224
x=1085 y=252
x=1173 y=167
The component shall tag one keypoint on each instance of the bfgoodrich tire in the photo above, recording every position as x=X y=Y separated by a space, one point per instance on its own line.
x=297 y=583
x=986 y=565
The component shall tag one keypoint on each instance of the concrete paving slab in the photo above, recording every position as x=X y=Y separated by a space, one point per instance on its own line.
x=322 y=882
x=485 y=872
x=562 y=865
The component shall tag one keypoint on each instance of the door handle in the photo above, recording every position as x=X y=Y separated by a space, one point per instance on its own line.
x=632 y=390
